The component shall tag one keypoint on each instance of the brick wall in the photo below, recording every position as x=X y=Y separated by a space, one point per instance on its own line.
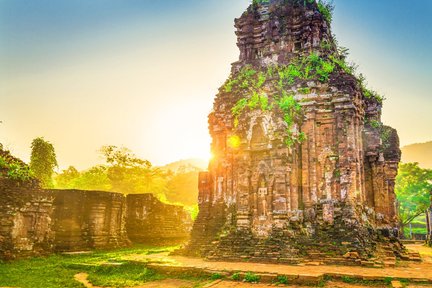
x=89 y=219
x=151 y=221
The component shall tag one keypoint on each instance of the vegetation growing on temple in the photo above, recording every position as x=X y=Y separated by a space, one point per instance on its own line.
x=250 y=82
x=14 y=169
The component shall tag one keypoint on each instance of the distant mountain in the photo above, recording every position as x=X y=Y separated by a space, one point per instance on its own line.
x=420 y=152
x=187 y=165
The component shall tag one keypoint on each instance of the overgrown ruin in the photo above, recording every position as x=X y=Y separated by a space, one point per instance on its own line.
x=35 y=221
x=303 y=168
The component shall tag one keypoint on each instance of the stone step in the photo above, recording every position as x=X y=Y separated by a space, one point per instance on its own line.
x=390 y=264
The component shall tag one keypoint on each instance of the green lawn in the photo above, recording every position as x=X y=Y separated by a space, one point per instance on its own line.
x=59 y=270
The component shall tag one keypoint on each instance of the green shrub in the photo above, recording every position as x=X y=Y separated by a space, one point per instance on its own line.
x=326 y=9
x=239 y=107
x=251 y=278
x=388 y=280
x=19 y=172
x=236 y=276
x=16 y=170
x=282 y=279
x=261 y=80
x=216 y=276
x=3 y=163
x=375 y=124
x=347 y=279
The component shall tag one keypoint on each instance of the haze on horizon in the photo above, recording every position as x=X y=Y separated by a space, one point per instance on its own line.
x=143 y=74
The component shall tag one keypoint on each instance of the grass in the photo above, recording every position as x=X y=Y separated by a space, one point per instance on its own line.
x=59 y=270
x=38 y=272
x=120 y=276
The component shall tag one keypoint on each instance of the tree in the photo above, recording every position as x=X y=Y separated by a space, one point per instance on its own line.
x=66 y=178
x=183 y=188
x=94 y=178
x=129 y=174
x=413 y=185
x=43 y=160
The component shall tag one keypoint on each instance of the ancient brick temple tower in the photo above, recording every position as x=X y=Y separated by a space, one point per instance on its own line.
x=303 y=167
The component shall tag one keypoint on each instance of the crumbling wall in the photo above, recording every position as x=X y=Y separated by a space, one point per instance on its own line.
x=151 y=221
x=88 y=220
x=34 y=221
x=25 y=219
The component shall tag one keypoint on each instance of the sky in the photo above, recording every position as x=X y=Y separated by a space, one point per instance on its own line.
x=143 y=74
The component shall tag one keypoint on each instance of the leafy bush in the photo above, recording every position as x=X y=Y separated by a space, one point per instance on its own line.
x=291 y=109
x=3 y=163
x=305 y=68
x=347 y=279
x=244 y=79
x=16 y=170
x=256 y=2
x=282 y=279
x=216 y=276
x=239 y=107
x=236 y=276
x=326 y=9
x=388 y=280
x=251 y=278
x=20 y=172
x=371 y=94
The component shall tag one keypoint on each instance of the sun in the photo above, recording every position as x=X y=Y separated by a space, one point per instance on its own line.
x=207 y=156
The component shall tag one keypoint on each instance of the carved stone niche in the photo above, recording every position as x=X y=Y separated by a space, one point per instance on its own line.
x=259 y=140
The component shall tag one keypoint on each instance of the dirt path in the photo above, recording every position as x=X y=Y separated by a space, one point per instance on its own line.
x=167 y=283
x=228 y=284
x=175 y=283
x=82 y=278
x=413 y=271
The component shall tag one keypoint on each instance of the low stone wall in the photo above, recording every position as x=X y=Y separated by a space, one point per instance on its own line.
x=153 y=222
x=89 y=219
x=36 y=222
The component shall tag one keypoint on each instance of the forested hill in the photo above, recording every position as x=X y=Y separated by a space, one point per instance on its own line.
x=188 y=165
x=420 y=152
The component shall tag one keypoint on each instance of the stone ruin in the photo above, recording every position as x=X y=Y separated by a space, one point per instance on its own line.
x=303 y=168
x=151 y=221
x=35 y=221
